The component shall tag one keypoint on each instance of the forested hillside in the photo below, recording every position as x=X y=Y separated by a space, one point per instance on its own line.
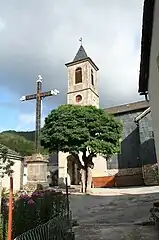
x=21 y=142
x=30 y=136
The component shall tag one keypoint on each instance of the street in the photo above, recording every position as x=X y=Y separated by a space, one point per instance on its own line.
x=117 y=216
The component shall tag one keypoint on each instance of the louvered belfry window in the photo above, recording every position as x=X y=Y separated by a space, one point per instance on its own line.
x=92 y=77
x=78 y=75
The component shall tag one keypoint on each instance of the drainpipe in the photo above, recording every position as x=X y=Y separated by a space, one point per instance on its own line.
x=146 y=97
x=137 y=125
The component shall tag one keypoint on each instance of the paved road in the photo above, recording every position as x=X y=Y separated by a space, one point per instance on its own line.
x=114 y=217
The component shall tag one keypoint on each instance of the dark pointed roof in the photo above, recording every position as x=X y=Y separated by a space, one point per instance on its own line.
x=80 y=55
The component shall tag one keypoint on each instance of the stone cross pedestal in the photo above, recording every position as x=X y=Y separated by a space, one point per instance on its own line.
x=36 y=171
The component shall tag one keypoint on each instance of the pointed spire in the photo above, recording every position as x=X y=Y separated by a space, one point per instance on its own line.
x=81 y=54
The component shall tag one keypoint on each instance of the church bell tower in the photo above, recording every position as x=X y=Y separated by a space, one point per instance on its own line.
x=82 y=80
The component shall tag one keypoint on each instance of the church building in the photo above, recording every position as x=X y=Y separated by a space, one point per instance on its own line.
x=127 y=168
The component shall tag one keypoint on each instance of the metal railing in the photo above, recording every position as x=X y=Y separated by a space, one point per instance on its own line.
x=59 y=227
x=56 y=229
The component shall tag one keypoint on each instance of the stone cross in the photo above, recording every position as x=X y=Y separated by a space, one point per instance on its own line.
x=38 y=96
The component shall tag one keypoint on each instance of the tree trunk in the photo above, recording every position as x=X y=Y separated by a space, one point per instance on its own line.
x=83 y=180
x=89 y=180
x=85 y=171
x=89 y=165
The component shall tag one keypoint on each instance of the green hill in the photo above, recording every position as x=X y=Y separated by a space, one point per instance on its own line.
x=21 y=142
x=29 y=135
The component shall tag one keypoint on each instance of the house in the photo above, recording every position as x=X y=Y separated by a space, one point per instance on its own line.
x=149 y=65
x=18 y=169
x=125 y=168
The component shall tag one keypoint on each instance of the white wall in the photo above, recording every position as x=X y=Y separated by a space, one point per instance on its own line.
x=16 y=177
x=154 y=78
x=25 y=176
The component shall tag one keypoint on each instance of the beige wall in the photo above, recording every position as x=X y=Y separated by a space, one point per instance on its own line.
x=16 y=177
x=88 y=91
x=100 y=167
x=25 y=175
x=62 y=167
x=154 y=79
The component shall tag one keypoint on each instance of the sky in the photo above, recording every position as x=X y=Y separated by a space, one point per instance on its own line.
x=39 y=37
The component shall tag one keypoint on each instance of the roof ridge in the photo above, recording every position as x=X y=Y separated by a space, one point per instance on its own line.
x=127 y=107
x=10 y=151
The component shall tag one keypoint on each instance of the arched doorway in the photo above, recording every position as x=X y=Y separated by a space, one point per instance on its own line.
x=73 y=171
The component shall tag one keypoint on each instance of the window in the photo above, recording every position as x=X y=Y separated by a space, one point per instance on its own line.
x=92 y=77
x=78 y=98
x=78 y=75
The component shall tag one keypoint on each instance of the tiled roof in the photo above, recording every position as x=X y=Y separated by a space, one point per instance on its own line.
x=147 y=27
x=81 y=54
x=11 y=154
x=130 y=107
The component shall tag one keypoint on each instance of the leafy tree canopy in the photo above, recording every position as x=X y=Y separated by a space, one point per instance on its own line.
x=6 y=163
x=77 y=129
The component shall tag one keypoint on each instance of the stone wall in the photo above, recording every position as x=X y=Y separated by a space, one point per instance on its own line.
x=137 y=146
x=129 y=154
x=147 y=150
x=125 y=172
x=88 y=91
x=149 y=175
x=147 y=145
x=121 y=178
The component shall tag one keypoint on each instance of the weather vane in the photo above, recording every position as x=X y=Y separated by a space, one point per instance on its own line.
x=80 y=40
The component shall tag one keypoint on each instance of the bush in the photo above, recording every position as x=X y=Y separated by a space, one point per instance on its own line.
x=36 y=209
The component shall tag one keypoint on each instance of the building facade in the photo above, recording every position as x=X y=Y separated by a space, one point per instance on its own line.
x=137 y=146
x=125 y=168
x=149 y=65
x=18 y=170
x=82 y=80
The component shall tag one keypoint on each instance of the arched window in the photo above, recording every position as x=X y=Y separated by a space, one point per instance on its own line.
x=78 y=75
x=92 y=77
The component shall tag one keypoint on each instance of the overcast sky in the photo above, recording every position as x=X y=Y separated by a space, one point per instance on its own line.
x=39 y=37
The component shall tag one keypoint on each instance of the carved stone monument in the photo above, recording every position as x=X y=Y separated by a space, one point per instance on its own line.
x=36 y=171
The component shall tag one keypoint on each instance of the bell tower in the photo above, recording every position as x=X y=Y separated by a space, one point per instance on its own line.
x=82 y=80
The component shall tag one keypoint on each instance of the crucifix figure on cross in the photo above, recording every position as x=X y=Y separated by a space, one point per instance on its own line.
x=39 y=95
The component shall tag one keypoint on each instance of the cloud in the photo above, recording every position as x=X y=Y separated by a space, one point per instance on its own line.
x=2 y=25
x=26 y=121
x=39 y=37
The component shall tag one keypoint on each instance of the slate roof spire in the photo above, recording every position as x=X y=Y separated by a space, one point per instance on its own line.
x=81 y=54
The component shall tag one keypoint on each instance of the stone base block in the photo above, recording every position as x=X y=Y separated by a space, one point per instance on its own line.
x=37 y=171
x=32 y=186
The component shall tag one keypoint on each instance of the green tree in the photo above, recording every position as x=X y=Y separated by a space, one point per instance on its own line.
x=85 y=129
x=6 y=163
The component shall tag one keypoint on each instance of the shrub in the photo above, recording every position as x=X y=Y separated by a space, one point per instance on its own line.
x=32 y=210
